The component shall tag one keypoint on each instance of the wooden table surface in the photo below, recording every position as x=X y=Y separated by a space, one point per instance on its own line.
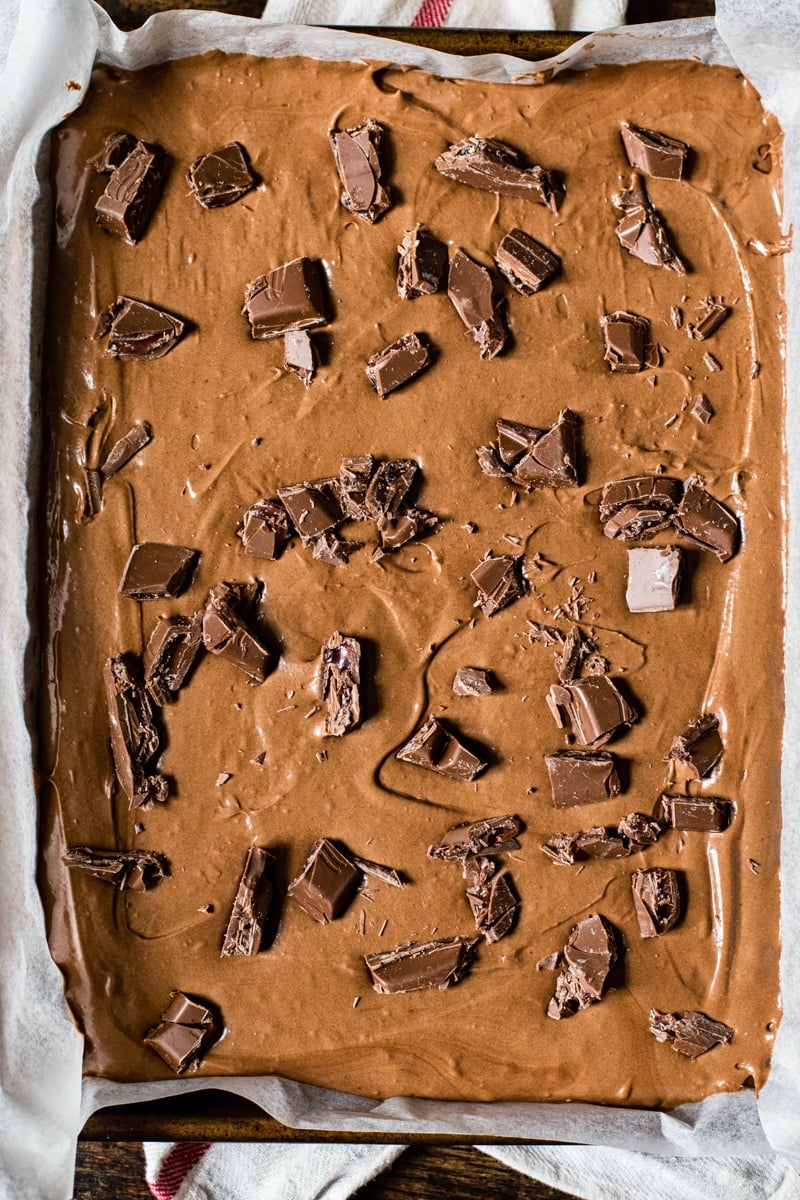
x=114 y=1169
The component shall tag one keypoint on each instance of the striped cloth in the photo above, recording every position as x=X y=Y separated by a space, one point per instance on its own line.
x=585 y=15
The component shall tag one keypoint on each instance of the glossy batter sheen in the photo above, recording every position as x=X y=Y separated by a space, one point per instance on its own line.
x=230 y=426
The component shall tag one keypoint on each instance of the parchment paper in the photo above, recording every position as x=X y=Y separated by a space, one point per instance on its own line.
x=43 y=1103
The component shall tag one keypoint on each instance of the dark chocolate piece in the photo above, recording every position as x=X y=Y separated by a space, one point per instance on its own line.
x=132 y=193
x=696 y=814
x=340 y=683
x=379 y=871
x=594 y=707
x=354 y=479
x=599 y=842
x=624 y=336
x=494 y=906
x=639 y=830
x=698 y=747
x=417 y=965
x=397 y=364
x=641 y=231
x=225 y=633
x=265 y=529
x=299 y=355
x=389 y=487
x=126 y=448
x=710 y=315
x=472 y=681
x=534 y=458
x=492 y=835
x=187 y=1028
x=93 y=492
x=289 y=298
x=526 y=263
x=492 y=166
x=423 y=261
x=654 y=153
x=656 y=900
x=136 y=870
x=251 y=906
x=577 y=777
x=135 y=741
x=478 y=301
x=170 y=655
x=654 y=578
x=691 y=1033
x=116 y=149
x=639 y=506
x=499 y=581
x=434 y=747
x=588 y=958
x=221 y=177
x=157 y=571
x=356 y=152
x=706 y=522
x=312 y=507
x=138 y=331
x=326 y=884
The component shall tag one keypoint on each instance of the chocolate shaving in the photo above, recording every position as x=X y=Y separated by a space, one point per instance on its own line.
x=417 y=965
x=226 y=633
x=696 y=814
x=706 y=522
x=340 y=683
x=710 y=315
x=698 y=747
x=476 y=298
x=299 y=355
x=492 y=835
x=93 y=493
x=434 y=747
x=654 y=578
x=250 y=908
x=126 y=448
x=137 y=331
x=641 y=231
x=289 y=298
x=594 y=707
x=624 y=336
x=135 y=741
x=356 y=153
x=656 y=900
x=654 y=153
x=499 y=581
x=526 y=263
x=326 y=884
x=422 y=264
x=187 y=1028
x=132 y=193
x=588 y=958
x=578 y=777
x=534 y=458
x=494 y=906
x=170 y=654
x=691 y=1033
x=157 y=571
x=386 y=875
x=472 y=681
x=265 y=529
x=397 y=364
x=135 y=870
x=492 y=166
x=221 y=177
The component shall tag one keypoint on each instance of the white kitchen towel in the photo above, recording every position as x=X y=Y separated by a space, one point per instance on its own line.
x=585 y=15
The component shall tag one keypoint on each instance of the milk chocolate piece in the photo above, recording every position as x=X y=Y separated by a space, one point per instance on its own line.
x=417 y=965
x=492 y=835
x=639 y=506
x=696 y=814
x=289 y=298
x=492 y=166
x=472 y=681
x=633 y=834
x=226 y=633
x=378 y=871
x=578 y=777
x=220 y=177
x=599 y=842
x=499 y=581
x=329 y=548
x=526 y=263
x=656 y=900
x=340 y=683
x=135 y=741
x=187 y=1028
x=397 y=364
x=702 y=409
x=571 y=655
x=132 y=193
x=711 y=315
x=157 y=571
x=356 y=153
x=265 y=529
x=394 y=532
x=534 y=458
x=170 y=655
x=251 y=906
x=116 y=149
x=691 y=1033
x=478 y=301
x=494 y=906
x=654 y=153
x=624 y=335
x=706 y=522
x=588 y=957
x=641 y=231
x=423 y=261
x=389 y=486
x=138 y=331
x=126 y=448
x=299 y=355
x=93 y=492
x=697 y=748
x=326 y=884
x=639 y=830
x=434 y=747
x=313 y=507
x=562 y=848
x=594 y=707
x=136 y=870
x=654 y=578
x=354 y=479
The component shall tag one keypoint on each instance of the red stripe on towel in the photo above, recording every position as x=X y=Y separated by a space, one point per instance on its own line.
x=432 y=13
x=175 y=1167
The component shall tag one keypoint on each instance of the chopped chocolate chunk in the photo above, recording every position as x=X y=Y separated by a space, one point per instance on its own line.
x=331 y=549
x=397 y=364
x=656 y=899
x=170 y=655
x=534 y=458
x=187 y=1028
x=313 y=507
x=712 y=364
x=394 y=532
x=132 y=193
x=225 y=633
x=641 y=231
x=93 y=492
x=434 y=747
x=633 y=833
x=326 y=884
x=638 y=506
x=156 y=570
x=697 y=748
x=654 y=578
x=340 y=683
x=624 y=335
x=493 y=166
x=136 y=870
x=577 y=777
x=299 y=355
x=492 y=835
x=478 y=870
x=135 y=741
x=221 y=177
x=417 y=965
x=389 y=487
x=594 y=707
x=116 y=149
x=472 y=681
x=639 y=830
x=423 y=261
x=476 y=298
x=653 y=153
x=354 y=479
x=696 y=814
x=562 y=848
x=356 y=153
x=550 y=962
x=710 y=315
x=526 y=263
x=494 y=906
x=499 y=581
x=702 y=409
x=379 y=871
x=706 y=522
x=571 y=654
x=588 y=957
x=676 y=316
x=265 y=529
x=691 y=1033
x=598 y=842
x=137 y=330
x=290 y=297
x=251 y=906
x=126 y=448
